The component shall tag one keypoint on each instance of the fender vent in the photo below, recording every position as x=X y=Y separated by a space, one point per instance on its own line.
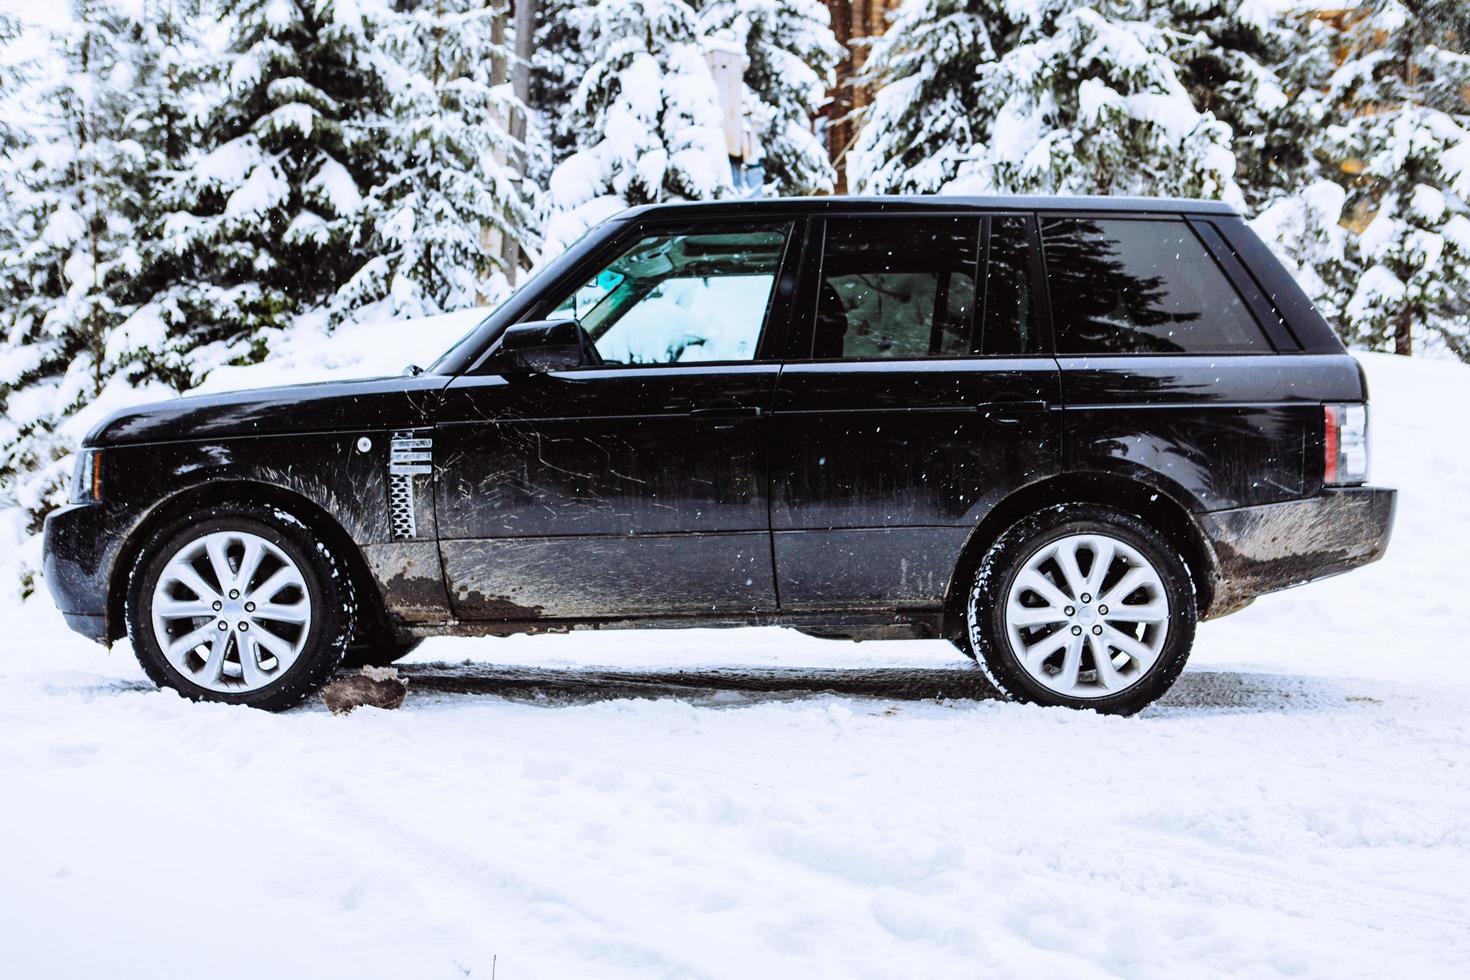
x=409 y=455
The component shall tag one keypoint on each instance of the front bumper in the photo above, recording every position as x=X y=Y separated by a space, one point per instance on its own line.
x=80 y=547
x=1275 y=546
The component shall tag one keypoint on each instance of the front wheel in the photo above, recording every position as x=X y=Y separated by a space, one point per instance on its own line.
x=1082 y=606
x=241 y=604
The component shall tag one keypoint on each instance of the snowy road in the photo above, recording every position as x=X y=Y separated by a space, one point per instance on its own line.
x=755 y=803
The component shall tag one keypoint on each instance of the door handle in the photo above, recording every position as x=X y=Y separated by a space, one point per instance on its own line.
x=1011 y=412
x=727 y=412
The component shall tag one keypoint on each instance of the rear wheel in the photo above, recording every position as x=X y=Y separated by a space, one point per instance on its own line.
x=1082 y=606
x=241 y=604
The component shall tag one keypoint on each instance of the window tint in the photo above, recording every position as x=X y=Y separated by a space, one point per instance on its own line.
x=1009 y=324
x=1127 y=287
x=681 y=296
x=897 y=287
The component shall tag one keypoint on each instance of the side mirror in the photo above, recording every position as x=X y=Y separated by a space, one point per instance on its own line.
x=542 y=345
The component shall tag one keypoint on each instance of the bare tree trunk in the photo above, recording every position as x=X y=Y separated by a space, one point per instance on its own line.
x=839 y=105
x=492 y=240
x=520 y=78
x=1403 y=337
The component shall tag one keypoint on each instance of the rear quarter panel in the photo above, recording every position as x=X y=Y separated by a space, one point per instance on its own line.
x=1213 y=432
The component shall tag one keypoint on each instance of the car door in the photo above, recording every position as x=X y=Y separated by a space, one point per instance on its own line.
x=636 y=487
x=917 y=397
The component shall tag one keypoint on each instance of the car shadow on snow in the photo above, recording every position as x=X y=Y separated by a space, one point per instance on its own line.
x=1195 y=692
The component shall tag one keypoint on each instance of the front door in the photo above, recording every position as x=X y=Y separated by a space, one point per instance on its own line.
x=922 y=394
x=636 y=487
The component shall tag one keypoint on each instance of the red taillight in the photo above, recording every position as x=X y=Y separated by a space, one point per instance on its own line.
x=1345 y=444
x=1330 y=440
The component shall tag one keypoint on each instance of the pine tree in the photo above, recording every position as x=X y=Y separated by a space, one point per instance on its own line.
x=67 y=194
x=983 y=96
x=270 y=221
x=449 y=161
x=169 y=73
x=1231 y=56
x=1401 y=139
x=791 y=55
x=560 y=62
x=645 y=118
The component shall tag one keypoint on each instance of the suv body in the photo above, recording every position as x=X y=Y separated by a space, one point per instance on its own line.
x=822 y=413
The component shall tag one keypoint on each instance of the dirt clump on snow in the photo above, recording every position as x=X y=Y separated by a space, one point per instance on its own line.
x=377 y=687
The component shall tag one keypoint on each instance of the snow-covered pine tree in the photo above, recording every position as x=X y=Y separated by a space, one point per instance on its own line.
x=987 y=96
x=645 y=118
x=449 y=161
x=1401 y=141
x=791 y=54
x=1229 y=54
x=12 y=60
x=169 y=74
x=69 y=248
x=558 y=65
x=269 y=219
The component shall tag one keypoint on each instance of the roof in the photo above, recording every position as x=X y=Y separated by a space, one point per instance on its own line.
x=925 y=202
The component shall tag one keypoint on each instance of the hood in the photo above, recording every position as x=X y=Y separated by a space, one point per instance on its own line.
x=336 y=406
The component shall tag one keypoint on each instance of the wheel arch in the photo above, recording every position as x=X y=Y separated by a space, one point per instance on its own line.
x=371 y=608
x=1157 y=505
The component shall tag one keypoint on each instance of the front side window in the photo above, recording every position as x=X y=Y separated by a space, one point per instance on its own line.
x=681 y=296
x=897 y=287
x=1121 y=286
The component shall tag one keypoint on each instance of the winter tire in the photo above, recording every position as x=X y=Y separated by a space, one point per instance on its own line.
x=1082 y=606
x=239 y=603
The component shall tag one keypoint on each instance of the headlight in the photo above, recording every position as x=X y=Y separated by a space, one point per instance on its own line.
x=1345 y=444
x=86 y=478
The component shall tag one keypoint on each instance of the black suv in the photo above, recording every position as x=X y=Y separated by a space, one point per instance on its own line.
x=1056 y=431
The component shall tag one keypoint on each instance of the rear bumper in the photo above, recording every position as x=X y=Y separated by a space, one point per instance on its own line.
x=1275 y=546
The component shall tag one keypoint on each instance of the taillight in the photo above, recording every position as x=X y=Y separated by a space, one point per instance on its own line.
x=1345 y=444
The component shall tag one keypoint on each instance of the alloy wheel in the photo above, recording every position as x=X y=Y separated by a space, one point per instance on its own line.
x=231 y=611
x=1087 y=615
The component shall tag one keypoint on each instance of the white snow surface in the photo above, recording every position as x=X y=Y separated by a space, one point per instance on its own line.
x=1299 y=806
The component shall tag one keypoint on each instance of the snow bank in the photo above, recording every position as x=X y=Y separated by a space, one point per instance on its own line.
x=307 y=351
x=1298 y=806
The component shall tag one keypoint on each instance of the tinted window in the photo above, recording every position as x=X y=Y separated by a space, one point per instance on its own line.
x=681 y=296
x=1009 y=323
x=897 y=287
x=1127 y=287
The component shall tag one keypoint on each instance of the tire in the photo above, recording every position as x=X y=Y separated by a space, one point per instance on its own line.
x=379 y=652
x=175 y=593
x=1027 y=597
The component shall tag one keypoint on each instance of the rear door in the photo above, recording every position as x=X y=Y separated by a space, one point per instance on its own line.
x=915 y=397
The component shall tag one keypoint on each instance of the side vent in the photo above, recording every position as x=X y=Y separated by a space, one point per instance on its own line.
x=409 y=455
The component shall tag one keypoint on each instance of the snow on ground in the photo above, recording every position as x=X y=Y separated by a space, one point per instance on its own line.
x=1299 y=806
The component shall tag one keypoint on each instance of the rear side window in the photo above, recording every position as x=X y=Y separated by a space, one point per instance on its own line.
x=1121 y=286
x=897 y=287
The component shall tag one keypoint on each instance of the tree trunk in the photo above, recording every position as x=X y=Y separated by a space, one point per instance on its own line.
x=492 y=240
x=520 y=82
x=1403 y=338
